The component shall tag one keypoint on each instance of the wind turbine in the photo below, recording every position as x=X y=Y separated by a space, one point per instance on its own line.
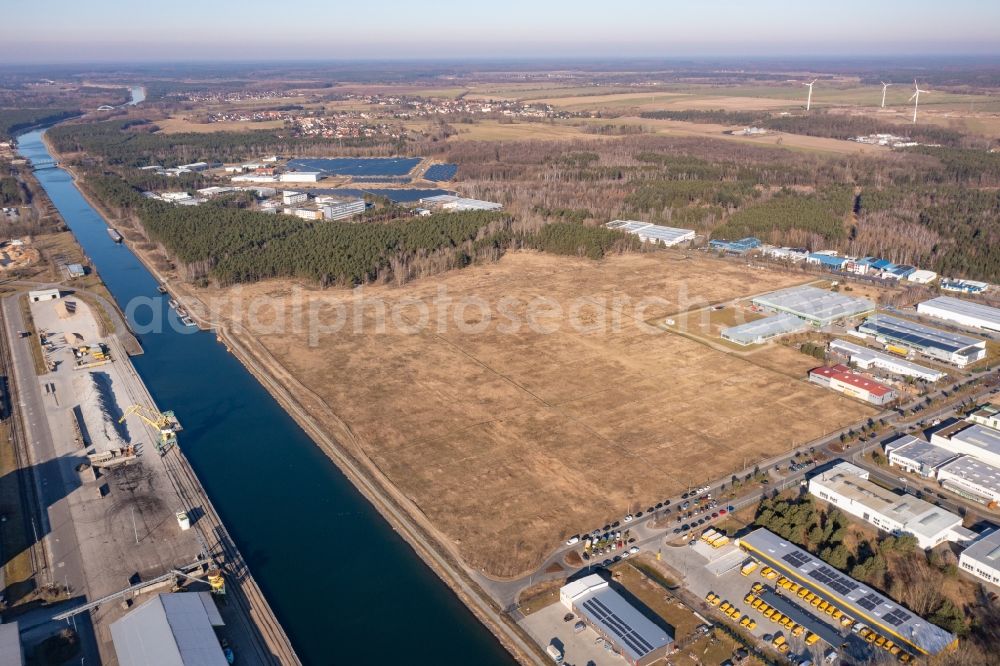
x=884 y=86
x=916 y=99
x=809 y=99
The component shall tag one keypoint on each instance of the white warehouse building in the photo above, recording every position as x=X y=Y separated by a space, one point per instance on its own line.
x=971 y=478
x=971 y=439
x=300 y=177
x=982 y=558
x=964 y=313
x=918 y=456
x=868 y=358
x=847 y=487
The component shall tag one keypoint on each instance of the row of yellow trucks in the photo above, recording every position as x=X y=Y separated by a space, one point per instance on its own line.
x=820 y=605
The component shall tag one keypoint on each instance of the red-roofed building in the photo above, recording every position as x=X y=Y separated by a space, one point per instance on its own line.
x=843 y=379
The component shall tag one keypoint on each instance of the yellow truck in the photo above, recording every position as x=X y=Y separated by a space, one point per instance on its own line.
x=749 y=567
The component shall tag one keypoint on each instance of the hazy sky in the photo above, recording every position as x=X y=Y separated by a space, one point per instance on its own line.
x=143 y=30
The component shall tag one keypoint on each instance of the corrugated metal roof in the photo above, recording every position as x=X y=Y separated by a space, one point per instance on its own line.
x=170 y=630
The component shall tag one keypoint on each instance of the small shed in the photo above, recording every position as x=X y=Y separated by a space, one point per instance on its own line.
x=43 y=295
x=75 y=270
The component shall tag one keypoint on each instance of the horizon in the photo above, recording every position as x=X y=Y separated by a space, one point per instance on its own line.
x=103 y=31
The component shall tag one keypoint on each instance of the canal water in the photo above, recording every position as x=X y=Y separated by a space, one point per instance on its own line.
x=345 y=586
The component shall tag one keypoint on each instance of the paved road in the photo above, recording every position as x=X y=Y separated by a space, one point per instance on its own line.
x=647 y=536
x=63 y=562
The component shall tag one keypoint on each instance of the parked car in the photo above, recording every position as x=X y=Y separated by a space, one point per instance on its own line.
x=573 y=540
x=634 y=549
x=628 y=518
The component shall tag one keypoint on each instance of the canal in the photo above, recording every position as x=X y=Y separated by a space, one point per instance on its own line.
x=346 y=587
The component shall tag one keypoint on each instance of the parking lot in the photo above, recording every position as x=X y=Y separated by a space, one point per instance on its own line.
x=733 y=587
x=548 y=627
x=701 y=563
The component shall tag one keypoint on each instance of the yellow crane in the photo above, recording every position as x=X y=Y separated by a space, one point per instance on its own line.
x=162 y=421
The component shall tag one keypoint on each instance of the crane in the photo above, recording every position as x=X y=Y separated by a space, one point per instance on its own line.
x=164 y=422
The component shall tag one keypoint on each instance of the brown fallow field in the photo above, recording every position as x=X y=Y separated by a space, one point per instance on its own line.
x=509 y=439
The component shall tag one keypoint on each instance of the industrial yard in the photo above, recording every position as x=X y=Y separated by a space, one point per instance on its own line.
x=522 y=437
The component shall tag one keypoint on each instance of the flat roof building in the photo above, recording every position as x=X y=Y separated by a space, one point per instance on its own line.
x=971 y=439
x=849 y=595
x=847 y=487
x=922 y=276
x=964 y=286
x=918 y=456
x=960 y=350
x=987 y=415
x=843 y=379
x=170 y=630
x=43 y=295
x=455 y=203
x=971 y=478
x=817 y=306
x=639 y=640
x=831 y=261
x=342 y=210
x=982 y=558
x=869 y=358
x=300 y=177
x=653 y=233
x=965 y=313
x=761 y=330
x=741 y=246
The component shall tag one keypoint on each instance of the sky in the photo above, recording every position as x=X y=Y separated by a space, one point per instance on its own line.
x=131 y=31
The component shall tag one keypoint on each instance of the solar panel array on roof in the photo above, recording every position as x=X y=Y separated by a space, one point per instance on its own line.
x=620 y=627
x=918 y=335
x=869 y=601
x=853 y=597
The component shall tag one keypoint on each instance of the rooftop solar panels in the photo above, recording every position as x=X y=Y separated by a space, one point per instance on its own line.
x=851 y=596
x=819 y=306
x=917 y=335
x=756 y=332
x=613 y=616
x=869 y=601
x=796 y=559
x=441 y=172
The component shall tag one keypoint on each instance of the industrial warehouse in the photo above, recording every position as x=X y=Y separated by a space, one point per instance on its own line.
x=960 y=350
x=853 y=597
x=918 y=456
x=843 y=379
x=635 y=636
x=970 y=439
x=817 y=306
x=847 y=487
x=762 y=330
x=964 y=313
x=652 y=233
x=982 y=558
x=866 y=359
x=971 y=478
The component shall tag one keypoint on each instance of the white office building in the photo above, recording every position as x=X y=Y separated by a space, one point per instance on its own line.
x=918 y=456
x=847 y=487
x=866 y=358
x=342 y=210
x=962 y=312
x=293 y=198
x=971 y=439
x=982 y=558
